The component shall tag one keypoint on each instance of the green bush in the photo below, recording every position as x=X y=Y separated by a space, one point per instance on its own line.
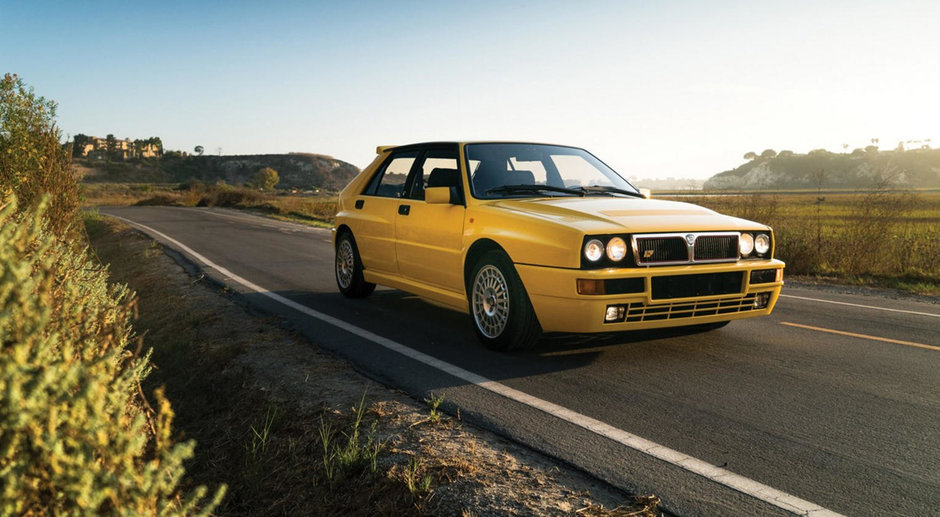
x=265 y=179
x=76 y=437
x=33 y=164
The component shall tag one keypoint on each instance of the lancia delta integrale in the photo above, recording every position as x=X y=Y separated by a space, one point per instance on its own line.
x=531 y=238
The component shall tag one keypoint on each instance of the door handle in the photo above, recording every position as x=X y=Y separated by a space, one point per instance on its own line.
x=359 y=203
x=404 y=209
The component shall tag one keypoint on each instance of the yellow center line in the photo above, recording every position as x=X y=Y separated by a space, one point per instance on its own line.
x=862 y=336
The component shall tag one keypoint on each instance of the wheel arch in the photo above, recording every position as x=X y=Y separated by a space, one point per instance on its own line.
x=342 y=230
x=477 y=250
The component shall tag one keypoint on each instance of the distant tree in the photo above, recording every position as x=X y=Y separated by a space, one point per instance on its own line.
x=199 y=150
x=784 y=154
x=111 y=146
x=871 y=148
x=900 y=147
x=845 y=148
x=156 y=143
x=858 y=151
x=78 y=144
x=768 y=154
x=818 y=152
x=266 y=178
x=750 y=155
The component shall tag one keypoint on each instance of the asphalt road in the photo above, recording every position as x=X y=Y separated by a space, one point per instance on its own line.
x=847 y=420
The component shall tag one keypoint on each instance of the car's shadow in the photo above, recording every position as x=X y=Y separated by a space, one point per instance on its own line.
x=448 y=335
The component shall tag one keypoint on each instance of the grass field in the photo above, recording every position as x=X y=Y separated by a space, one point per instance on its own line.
x=313 y=209
x=889 y=239
x=879 y=238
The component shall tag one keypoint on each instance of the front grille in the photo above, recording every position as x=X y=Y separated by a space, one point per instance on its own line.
x=708 y=247
x=688 y=286
x=670 y=311
x=661 y=249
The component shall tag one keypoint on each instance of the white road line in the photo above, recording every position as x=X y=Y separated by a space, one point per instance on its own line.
x=717 y=474
x=860 y=306
x=258 y=220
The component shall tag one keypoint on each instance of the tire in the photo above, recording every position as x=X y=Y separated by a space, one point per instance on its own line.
x=348 y=268
x=499 y=306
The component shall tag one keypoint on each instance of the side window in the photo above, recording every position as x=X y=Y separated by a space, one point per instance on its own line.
x=390 y=181
x=433 y=159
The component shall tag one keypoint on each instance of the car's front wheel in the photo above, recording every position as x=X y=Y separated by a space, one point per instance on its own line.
x=349 y=269
x=501 y=310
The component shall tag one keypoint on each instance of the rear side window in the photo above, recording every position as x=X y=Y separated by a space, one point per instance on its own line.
x=390 y=180
x=433 y=159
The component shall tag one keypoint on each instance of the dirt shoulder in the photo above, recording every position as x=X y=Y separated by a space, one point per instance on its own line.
x=293 y=430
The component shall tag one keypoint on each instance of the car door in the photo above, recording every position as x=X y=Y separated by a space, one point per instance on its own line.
x=429 y=237
x=377 y=208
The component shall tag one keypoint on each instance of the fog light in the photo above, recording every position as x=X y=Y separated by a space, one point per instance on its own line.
x=760 y=301
x=615 y=313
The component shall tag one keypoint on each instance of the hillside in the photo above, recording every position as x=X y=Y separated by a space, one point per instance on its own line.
x=918 y=168
x=296 y=170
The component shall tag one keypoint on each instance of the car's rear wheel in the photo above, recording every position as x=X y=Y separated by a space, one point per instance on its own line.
x=349 y=269
x=502 y=313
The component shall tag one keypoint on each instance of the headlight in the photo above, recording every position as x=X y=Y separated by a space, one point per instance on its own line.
x=616 y=249
x=594 y=250
x=762 y=243
x=746 y=244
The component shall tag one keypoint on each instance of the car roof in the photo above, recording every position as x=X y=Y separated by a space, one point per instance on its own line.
x=422 y=145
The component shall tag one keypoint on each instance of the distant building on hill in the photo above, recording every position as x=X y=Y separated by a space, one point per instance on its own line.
x=114 y=148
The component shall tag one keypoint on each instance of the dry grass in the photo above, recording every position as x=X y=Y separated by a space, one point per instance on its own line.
x=317 y=210
x=289 y=429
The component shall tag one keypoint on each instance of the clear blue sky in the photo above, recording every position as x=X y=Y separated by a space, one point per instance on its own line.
x=656 y=89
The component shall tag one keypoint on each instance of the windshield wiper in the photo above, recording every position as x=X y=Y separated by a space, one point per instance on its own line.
x=510 y=189
x=599 y=189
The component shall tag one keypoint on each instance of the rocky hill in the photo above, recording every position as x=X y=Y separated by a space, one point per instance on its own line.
x=918 y=168
x=296 y=170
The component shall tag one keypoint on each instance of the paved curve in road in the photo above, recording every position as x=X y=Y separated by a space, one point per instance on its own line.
x=832 y=400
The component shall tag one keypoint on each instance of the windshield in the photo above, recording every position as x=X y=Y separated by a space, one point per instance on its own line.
x=520 y=170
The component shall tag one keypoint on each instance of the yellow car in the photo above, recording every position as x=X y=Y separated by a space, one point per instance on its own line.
x=531 y=238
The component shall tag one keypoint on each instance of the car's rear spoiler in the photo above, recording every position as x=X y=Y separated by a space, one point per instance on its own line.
x=382 y=148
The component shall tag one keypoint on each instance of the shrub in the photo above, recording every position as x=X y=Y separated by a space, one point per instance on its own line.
x=33 y=164
x=232 y=197
x=75 y=437
x=265 y=179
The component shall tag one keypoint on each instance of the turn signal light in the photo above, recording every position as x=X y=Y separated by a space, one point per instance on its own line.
x=586 y=286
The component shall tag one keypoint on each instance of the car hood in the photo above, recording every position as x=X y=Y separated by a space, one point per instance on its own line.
x=625 y=215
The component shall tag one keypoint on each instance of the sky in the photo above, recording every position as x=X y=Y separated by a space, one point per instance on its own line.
x=656 y=89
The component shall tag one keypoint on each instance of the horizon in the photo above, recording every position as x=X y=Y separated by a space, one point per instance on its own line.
x=674 y=89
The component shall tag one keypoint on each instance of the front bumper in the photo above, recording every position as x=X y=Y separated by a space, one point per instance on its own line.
x=560 y=308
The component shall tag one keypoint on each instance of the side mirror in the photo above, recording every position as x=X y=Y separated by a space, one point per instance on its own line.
x=437 y=195
x=647 y=193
